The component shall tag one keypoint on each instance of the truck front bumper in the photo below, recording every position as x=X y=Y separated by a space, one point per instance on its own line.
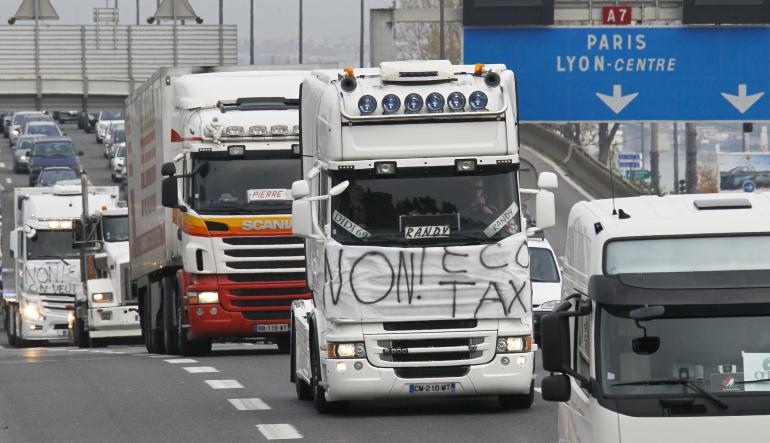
x=117 y=321
x=210 y=321
x=494 y=378
x=53 y=328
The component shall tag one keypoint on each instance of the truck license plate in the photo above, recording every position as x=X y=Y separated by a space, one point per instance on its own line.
x=447 y=388
x=64 y=332
x=271 y=328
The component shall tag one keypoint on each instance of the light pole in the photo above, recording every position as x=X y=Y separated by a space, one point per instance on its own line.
x=251 y=33
x=361 y=41
x=300 y=32
x=441 y=29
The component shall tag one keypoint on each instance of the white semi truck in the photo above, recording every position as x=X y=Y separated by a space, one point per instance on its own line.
x=46 y=264
x=107 y=312
x=661 y=335
x=416 y=248
x=211 y=157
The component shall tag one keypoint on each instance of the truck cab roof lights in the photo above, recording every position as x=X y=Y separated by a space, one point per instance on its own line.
x=295 y=130
x=234 y=131
x=413 y=103
x=258 y=130
x=435 y=102
x=465 y=165
x=236 y=150
x=478 y=100
x=367 y=104
x=456 y=101
x=391 y=104
x=385 y=168
x=279 y=130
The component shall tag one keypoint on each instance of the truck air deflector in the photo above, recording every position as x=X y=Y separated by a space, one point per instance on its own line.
x=258 y=104
x=681 y=288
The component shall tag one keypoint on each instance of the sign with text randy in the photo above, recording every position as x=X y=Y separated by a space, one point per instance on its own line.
x=632 y=73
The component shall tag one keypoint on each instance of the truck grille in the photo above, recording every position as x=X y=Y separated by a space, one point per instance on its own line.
x=281 y=256
x=430 y=349
x=56 y=302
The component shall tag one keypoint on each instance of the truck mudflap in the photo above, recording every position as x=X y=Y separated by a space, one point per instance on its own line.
x=248 y=307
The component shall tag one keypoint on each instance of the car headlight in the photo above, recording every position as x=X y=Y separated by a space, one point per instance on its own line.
x=24 y=158
x=548 y=306
x=32 y=312
x=346 y=350
x=101 y=297
x=513 y=344
x=203 y=298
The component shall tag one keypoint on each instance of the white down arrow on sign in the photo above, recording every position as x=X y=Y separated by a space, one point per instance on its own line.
x=742 y=102
x=617 y=101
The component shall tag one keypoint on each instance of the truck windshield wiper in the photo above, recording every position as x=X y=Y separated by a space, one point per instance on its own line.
x=759 y=380
x=675 y=381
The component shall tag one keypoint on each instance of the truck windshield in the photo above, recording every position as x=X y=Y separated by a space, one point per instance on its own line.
x=51 y=245
x=716 y=347
x=688 y=254
x=237 y=186
x=425 y=206
x=115 y=229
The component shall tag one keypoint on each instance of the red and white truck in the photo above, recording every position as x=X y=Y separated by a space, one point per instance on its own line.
x=212 y=153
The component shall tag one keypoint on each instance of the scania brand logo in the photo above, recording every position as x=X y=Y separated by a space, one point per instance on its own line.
x=259 y=225
x=472 y=348
x=395 y=351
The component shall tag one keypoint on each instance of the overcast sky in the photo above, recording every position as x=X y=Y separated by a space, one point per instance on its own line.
x=323 y=19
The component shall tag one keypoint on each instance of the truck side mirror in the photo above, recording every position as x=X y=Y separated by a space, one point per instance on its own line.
x=168 y=169
x=545 y=209
x=555 y=342
x=301 y=217
x=170 y=193
x=547 y=180
x=300 y=189
x=556 y=388
x=13 y=246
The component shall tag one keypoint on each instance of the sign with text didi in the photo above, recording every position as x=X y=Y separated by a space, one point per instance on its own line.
x=632 y=73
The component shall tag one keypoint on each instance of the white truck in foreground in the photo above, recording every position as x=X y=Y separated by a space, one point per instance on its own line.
x=212 y=154
x=107 y=312
x=46 y=264
x=662 y=332
x=416 y=255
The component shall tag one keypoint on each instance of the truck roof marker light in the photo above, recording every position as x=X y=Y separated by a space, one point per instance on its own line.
x=413 y=103
x=367 y=104
x=258 y=130
x=465 y=165
x=349 y=72
x=478 y=69
x=391 y=104
x=478 y=100
x=384 y=168
x=435 y=102
x=236 y=150
x=456 y=101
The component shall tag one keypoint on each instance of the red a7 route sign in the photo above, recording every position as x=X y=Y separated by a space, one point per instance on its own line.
x=616 y=15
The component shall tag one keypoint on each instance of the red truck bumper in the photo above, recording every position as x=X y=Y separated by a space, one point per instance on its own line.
x=245 y=309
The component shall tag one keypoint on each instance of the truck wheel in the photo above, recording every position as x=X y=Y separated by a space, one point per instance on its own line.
x=82 y=340
x=10 y=325
x=170 y=339
x=153 y=337
x=322 y=405
x=284 y=344
x=185 y=346
x=518 y=401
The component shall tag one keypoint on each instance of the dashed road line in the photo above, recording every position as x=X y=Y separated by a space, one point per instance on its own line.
x=248 y=404
x=224 y=384
x=539 y=391
x=180 y=360
x=279 y=432
x=200 y=369
x=2 y=165
x=8 y=180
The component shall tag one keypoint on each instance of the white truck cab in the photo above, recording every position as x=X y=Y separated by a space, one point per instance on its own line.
x=661 y=332
x=416 y=248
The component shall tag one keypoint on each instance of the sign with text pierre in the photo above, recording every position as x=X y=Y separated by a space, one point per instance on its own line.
x=632 y=73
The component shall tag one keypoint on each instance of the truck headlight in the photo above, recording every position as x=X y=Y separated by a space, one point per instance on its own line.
x=547 y=306
x=101 y=297
x=513 y=344
x=203 y=298
x=346 y=350
x=32 y=312
x=234 y=131
x=15 y=132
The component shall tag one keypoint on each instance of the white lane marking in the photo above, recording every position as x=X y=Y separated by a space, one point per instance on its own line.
x=224 y=384
x=8 y=180
x=249 y=404
x=2 y=165
x=560 y=171
x=77 y=350
x=200 y=369
x=279 y=432
x=180 y=360
x=539 y=391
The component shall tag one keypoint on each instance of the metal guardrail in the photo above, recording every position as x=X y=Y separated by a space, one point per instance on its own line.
x=581 y=167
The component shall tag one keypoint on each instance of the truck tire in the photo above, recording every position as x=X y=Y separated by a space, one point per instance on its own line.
x=322 y=405
x=10 y=325
x=304 y=393
x=170 y=339
x=153 y=336
x=187 y=347
x=518 y=401
x=82 y=340
x=284 y=344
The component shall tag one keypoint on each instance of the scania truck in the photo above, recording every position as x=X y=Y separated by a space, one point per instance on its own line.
x=106 y=312
x=661 y=334
x=212 y=154
x=46 y=263
x=416 y=246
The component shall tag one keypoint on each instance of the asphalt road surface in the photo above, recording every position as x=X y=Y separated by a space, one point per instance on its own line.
x=241 y=392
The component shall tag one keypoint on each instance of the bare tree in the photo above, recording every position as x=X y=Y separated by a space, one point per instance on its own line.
x=654 y=159
x=606 y=136
x=421 y=41
x=691 y=159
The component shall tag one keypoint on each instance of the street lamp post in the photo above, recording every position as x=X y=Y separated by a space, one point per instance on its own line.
x=300 y=32
x=361 y=41
x=251 y=34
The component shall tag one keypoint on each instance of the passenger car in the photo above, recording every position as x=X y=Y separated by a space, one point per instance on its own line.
x=52 y=151
x=44 y=128
x=21 y=154
x=51 y=176
x=104 y=118
x=17 y=125
x=117 y=162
